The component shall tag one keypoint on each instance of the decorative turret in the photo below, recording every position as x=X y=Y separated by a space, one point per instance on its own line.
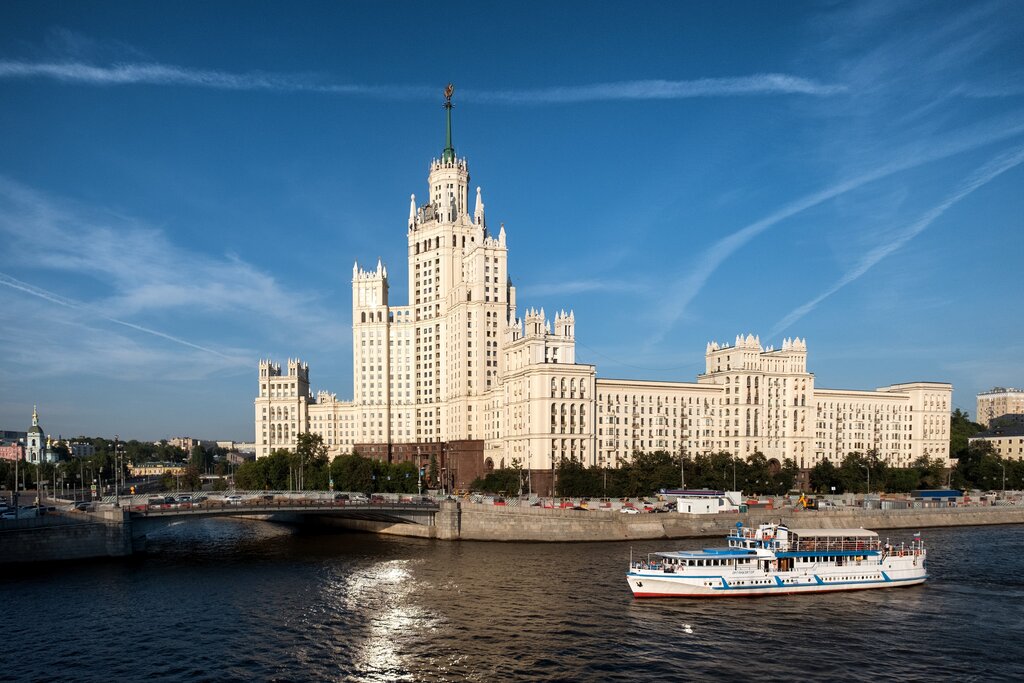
x=794 y=344
x=269 y=369
x=412 y=211
x=299 y=370
x=535 y=326
x=369 y=291
x=565 y=324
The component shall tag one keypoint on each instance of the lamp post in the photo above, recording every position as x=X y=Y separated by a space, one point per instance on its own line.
x=734 y=473
x=117 y=472
x=1003 y=465
x=14 y=496
x=682 y=469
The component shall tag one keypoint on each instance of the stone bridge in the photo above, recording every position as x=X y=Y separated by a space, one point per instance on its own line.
x=144 y=516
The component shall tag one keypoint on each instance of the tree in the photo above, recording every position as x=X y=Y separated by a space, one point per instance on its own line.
x=432 y=472
x=270 y=473
x=960 y=430
x=311 y=462
x=824 y=478
x=200 y=458
x=61 y=450
x=352 y=473
x=573 y=479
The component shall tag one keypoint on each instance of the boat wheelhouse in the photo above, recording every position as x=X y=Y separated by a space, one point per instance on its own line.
x=773 y=558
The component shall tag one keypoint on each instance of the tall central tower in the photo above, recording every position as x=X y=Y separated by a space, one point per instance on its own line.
x=457 y=299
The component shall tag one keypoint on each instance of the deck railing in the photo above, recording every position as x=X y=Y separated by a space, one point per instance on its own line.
x=845 y=544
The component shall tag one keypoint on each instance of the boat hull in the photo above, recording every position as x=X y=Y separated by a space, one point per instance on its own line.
x=650 y=585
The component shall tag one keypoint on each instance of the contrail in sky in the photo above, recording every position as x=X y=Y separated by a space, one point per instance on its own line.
x=982 y=176
x=163 y=74
x=708 y=262
x=14 y=283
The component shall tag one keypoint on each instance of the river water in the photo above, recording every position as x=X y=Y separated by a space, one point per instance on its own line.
x=230 y=600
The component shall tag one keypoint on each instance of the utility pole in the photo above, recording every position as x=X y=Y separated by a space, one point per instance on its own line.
x=682 y=467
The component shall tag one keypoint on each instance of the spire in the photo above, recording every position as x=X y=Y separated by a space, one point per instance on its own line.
x=412 y=208
x=479 y=213
x=449 y=151
x=35 y=417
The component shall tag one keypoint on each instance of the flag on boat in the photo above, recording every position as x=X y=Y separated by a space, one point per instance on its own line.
x=917 y=534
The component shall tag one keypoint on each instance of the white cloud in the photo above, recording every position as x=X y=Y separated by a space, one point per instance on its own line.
x=758 y=84
x=128 y=274
x=578 y=286
x=163 y=74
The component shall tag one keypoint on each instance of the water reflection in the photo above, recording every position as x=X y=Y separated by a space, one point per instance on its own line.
x=243 y=600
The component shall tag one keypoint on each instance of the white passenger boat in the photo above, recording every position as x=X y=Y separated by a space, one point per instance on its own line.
x=774 y=559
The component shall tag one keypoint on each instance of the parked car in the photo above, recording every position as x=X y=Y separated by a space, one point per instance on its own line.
x=233 y=500
x=629 y=511
x=23 y=513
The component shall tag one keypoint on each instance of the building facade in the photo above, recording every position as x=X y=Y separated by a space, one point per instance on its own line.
x=11 y=451
x=38 y=448
x=1007 y=441
x=458 y=368
x=1004 y=404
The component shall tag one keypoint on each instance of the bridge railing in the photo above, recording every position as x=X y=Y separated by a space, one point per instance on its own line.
x=263 y=499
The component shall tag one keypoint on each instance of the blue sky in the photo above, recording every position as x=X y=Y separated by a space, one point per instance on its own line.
x=185 y=186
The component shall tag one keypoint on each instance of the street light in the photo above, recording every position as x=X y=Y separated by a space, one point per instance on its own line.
x=1003 y=465
x=117 y=464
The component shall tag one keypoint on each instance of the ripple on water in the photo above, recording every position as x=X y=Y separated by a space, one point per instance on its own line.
x=244 y=600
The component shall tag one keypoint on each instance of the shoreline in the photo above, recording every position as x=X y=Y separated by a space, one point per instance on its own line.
x=478 y=522
x=109 y=535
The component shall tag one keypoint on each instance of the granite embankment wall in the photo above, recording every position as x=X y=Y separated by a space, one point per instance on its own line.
x=65 y=537
x=474 y=522
x=109 y=534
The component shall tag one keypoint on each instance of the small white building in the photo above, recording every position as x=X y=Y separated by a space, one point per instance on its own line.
x=706 y=502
